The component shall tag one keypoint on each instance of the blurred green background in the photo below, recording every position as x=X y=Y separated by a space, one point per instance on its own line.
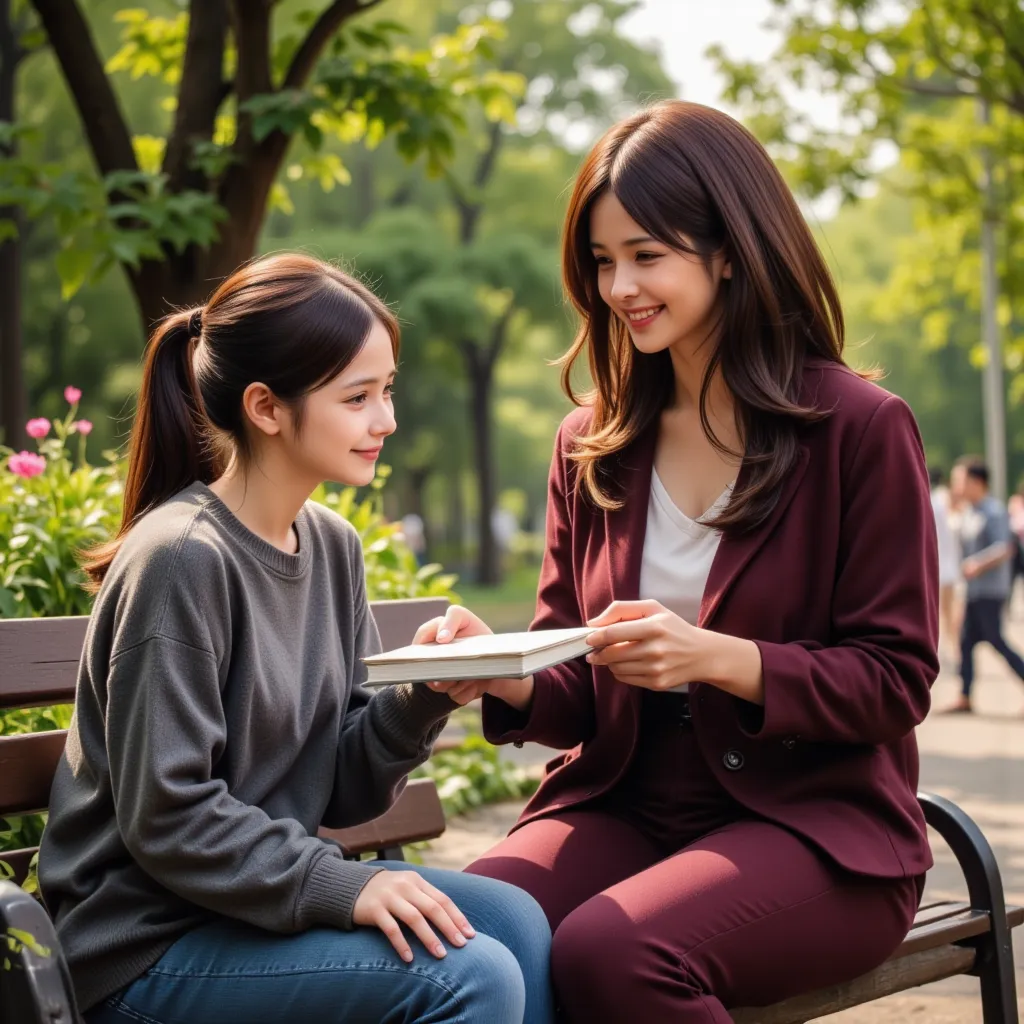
x=429 y=145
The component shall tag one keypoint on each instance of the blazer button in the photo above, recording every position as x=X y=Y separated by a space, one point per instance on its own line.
x=789 y=742
x=733 y=760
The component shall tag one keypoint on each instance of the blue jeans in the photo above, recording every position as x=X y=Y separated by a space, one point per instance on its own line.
x=232 y=973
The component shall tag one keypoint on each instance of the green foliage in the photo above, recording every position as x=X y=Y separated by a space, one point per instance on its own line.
x=365 y=86
x=125 y=217
x=371 y=87
x=473 y=774
x=912 y=74
x=391 y=568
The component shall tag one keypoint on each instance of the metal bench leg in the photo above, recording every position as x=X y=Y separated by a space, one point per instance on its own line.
x=994 y=965
x=35 y=986
x=391 y=853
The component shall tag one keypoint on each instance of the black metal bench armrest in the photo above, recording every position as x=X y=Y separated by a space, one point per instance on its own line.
x=985 y=891
x=35 y=986
x=972 y=851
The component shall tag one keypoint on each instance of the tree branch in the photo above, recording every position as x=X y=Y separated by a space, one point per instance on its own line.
x=1015 y=52
x=202 y=90
x=935 y=89
x=470 y=208
x=90 y=88
x=485 y=168
x=498 y=337
x=934 y=38
x=319 y=35
x=251 y=20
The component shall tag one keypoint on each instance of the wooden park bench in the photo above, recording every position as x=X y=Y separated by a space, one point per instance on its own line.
x=38 y=666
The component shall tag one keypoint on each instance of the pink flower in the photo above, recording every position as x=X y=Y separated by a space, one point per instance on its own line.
x=72 y=394
x=37 y=428
x=26 y=464
x=82 y=427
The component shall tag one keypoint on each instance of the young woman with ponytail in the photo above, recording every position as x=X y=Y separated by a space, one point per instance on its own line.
x=220 y=718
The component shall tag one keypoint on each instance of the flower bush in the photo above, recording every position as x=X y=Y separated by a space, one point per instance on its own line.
x=53 y=505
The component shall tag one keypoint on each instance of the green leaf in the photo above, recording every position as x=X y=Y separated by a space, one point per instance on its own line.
x=73 y=266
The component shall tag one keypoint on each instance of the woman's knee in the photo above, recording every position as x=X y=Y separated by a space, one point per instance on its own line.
x=487 y=981
x=516 y=918
x=595 y=951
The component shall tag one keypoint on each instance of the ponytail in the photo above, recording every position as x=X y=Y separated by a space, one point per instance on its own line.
x=171 y=444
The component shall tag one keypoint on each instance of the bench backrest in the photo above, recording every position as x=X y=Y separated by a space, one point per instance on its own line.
x=39 y=666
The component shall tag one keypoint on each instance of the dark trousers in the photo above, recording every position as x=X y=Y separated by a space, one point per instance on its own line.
x=745 y=915
x=983 y=622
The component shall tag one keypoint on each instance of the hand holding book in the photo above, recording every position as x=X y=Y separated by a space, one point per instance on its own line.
x=460 y=623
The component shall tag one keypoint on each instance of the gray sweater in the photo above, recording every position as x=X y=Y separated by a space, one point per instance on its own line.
x=218 y=722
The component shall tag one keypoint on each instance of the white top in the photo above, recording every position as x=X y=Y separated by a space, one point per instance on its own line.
x=678 y=552
x=949 y=555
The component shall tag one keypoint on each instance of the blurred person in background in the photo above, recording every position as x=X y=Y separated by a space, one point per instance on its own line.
x=988 y=550
x=949 y=561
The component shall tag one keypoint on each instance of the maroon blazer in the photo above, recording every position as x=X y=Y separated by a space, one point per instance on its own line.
x=838 y=588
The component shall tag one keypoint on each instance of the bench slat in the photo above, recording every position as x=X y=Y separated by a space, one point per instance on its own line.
x=939 y=911
x=27 y=765
x=18 y=861
x=397 y=621
x=39 y=660
x=964 y=925
x=893 y=976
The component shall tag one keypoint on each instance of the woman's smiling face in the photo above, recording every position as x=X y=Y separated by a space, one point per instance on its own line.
x=664 y=297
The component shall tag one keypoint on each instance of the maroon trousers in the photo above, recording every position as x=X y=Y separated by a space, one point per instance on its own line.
x=669 y=902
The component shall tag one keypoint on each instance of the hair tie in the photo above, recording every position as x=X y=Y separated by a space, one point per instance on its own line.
x=195 y=323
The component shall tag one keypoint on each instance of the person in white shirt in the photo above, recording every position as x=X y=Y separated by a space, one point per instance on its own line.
x=949 y=560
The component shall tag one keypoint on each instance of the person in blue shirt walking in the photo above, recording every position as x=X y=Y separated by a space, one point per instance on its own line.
x=987 y=548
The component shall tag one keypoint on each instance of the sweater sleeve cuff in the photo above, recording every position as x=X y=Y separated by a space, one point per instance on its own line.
x=412 y=715
x=332 y=887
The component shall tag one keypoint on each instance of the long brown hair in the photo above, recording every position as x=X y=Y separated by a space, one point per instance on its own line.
x=288 y=321
x=684 y=169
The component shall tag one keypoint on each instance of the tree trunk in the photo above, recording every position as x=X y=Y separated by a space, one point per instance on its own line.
x=56 y=336
x=417 y=485
x=480 y=364
x=12 y=395
x=455 y=531
x=13 y=412
x=481 y=385
x=191 y=277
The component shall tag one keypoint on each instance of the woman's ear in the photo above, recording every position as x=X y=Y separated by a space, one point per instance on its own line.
x=262 y=409
x=727 y=270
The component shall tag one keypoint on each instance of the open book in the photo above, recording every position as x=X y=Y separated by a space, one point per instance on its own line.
x=494 y=656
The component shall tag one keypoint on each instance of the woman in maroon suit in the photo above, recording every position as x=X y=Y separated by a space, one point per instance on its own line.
x=746 y=523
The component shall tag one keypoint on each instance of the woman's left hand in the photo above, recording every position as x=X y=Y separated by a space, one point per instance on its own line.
x=644 y=644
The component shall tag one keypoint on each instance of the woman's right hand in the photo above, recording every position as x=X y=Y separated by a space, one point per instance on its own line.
x=390 y=897
x=517 y=693
x=460 y=622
